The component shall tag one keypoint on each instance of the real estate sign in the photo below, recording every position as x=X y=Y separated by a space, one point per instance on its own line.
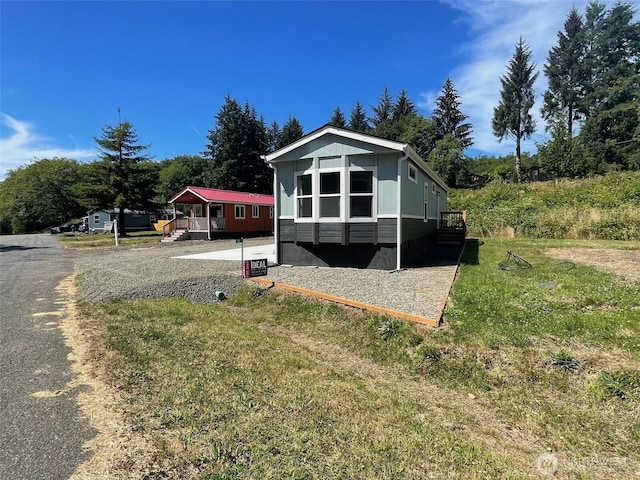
x=255 y=268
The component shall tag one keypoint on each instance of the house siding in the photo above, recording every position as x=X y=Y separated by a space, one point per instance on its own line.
x=358 y=242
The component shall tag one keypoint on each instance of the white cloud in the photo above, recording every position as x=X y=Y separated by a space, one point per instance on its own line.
x=496 y=27
x=23 y=146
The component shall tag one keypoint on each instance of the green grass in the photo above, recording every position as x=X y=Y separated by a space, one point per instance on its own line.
x=100 y=240
x=272 y=385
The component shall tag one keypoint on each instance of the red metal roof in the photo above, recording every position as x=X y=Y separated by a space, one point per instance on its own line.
x=224 y=196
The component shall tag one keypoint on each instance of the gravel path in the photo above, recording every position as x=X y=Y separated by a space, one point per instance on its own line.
x=151 y=272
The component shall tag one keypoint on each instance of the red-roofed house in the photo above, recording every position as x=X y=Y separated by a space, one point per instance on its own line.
x=214 y=211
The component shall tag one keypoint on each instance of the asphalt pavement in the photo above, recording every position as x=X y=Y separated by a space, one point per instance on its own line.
x=41 y=427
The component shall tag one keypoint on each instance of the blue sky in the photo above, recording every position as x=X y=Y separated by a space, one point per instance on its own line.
x=66 y=67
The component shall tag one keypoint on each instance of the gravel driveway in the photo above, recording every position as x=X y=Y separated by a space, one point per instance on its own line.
x=154 y=272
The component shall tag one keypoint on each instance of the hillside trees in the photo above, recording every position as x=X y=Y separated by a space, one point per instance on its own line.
x=179 y=172
x=594 y=83
x=40 y=195
x=613 y=89
x=124 y=177
x=511 y=118
x=234 y=151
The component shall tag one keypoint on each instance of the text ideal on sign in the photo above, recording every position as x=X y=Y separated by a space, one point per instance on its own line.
x=255 y=268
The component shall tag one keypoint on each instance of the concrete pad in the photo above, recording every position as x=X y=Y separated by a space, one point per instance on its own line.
x=233 y=254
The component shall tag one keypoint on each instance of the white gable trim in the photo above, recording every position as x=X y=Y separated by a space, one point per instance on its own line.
x=330 y=130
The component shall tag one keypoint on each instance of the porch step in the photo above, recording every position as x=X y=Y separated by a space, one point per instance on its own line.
x=176 y=236
x=450 y=236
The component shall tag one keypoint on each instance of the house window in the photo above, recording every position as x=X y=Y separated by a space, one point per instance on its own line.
x=240 y=212
x=255 y=211
x=413 y=173
x=361 y=194
x=96 y=219
x=329 y=194
x=304 y=196
x=433 y=187
x=152 y=218
x=270 y=212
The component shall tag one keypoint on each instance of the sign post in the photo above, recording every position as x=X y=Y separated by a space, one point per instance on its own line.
x=239 y=240
x=115 y=230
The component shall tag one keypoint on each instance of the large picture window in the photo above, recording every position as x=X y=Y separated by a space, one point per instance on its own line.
x=361 y=194
x=304 y=195
x=329 y=194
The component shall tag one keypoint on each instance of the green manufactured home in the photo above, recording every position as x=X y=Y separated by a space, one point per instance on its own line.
x=344 y=198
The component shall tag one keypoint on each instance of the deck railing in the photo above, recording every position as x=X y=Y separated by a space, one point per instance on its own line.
x=192 y=224
x=453 y=220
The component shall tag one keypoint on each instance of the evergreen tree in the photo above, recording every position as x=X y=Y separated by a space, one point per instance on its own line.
x=291 y=131
x=358 y=120
x=566 y=75
x=449 y=119
x=613 y=90
x=237 y=142
x=338 y=119
x=383 y=111
x=273 y=133
x=511 y=118
x=130 y=178
x=403 y=107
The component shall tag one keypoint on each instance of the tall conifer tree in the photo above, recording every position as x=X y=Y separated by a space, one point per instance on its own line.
x=511 y=118
x=448 y=118
x=129 y=176
x=566 y=76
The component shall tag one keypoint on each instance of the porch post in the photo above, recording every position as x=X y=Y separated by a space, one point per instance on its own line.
x=209 y=220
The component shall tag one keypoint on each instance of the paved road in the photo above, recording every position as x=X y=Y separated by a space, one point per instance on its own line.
x=41 y=435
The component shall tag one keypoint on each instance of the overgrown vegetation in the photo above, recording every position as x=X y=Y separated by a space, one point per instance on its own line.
x=270 y=385
x=606 y=207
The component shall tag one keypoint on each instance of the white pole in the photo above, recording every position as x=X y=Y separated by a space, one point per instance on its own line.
x=115 y=229
x=242 y=257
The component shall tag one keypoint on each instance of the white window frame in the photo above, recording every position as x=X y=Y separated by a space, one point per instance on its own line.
x=96 y=219
x=242 y=208
x=373 y=194
x=319 y=196
x=312 y=196
x=271 y=212
x=433 y=187
x=412 y=169
x=255 y=211
x=345 y=195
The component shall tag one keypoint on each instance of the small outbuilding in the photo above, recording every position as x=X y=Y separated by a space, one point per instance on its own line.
x=103 y=220
x=211 y=212
x=345 y=198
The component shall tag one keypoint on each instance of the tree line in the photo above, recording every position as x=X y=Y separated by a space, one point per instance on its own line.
x=591 y=110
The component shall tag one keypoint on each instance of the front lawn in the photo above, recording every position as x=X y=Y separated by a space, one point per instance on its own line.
x=272 y=385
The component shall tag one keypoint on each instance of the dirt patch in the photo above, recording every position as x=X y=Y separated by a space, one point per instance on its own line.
x=624 y=263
